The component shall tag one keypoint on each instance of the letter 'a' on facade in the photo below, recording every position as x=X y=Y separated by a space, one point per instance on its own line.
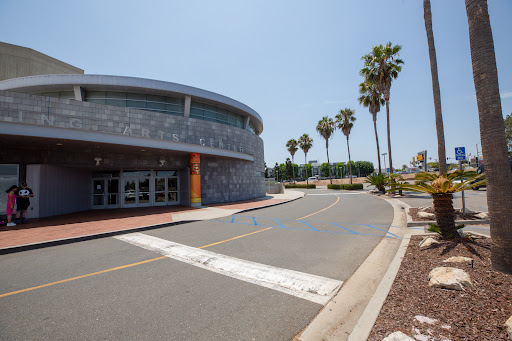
x=120 y=142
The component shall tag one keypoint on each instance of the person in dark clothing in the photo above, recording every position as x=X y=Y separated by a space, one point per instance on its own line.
x=23 y=195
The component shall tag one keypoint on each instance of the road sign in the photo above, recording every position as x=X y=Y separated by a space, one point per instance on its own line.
x=460 y=153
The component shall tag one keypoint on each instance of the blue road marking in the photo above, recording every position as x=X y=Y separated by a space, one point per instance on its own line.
x=314 y=229
x=280 y=223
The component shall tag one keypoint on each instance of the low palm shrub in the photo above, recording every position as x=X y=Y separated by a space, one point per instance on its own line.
x=442 y=187
x=378 y=180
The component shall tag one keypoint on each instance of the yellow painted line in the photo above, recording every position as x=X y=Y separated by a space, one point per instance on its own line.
x=79 y=277
x=147 y=261
x=117 y=268
x=309 y=215
x=227 y=240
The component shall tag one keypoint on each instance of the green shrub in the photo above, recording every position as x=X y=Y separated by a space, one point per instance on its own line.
x=300 y=186
x=351 y=187
x=333 y=186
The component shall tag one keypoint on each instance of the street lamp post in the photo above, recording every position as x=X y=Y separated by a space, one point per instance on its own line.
x=384 y=154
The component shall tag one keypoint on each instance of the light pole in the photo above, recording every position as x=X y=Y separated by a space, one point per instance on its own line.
x=384 y=154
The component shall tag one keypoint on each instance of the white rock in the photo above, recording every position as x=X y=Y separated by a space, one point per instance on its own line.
x=458 y=260
x=423 y=208
x=508 y=325
x=426 y=215
x=449 y=278
x=397 y=336
x=482 y=215
x=427 y=241
x=425 y=319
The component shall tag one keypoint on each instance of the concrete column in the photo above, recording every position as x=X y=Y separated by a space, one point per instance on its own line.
x=186 y=107
x=79 y=93
x=246 y=122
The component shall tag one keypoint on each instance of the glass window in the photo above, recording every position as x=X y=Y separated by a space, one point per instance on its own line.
x=196 y=113
x=99 y=101
x=172 y=184
x=116 y=102
x=117 y=95
x=153 y=98
x=136 y=104
x=112 y=174
x=96 y=94
x=172 y=196
x=156 y=105
x=67 y=95
x=173 y=100
x=174 y=108
x=167 y=173
x=51 y=94
x=136 y=173
x=137 y=97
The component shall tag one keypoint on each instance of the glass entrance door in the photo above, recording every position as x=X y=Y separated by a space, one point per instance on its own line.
x=144 y=198
x=130 y=192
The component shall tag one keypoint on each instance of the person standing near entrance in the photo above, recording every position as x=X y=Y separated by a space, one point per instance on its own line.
x=11 y=199
x=23 y=196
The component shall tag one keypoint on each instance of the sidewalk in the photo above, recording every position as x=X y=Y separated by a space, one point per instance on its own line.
x=93 y=224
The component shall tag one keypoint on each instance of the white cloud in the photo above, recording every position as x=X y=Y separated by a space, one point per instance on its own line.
x=506 y=94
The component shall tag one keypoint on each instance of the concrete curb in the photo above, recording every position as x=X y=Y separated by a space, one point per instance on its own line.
x=365 y=324
x=337 y=320
x=63 y=241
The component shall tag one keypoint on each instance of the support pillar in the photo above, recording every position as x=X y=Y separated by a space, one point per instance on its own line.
x=195 y=180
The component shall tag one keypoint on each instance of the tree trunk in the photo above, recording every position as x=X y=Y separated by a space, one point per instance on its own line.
x=389 y=139
x=435 y=87
x=376 y=139
x=445 y=216
x=306 y=168
x=349 y=163
x=293 y=169
x=328 y=162
x=492 y=134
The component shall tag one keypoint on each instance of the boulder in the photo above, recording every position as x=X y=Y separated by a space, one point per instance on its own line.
x=426 y=215
x=458 y=260
x=427 y=241
x=482 y=215
x=398 y=336
x=449 y=278
x=508 y=326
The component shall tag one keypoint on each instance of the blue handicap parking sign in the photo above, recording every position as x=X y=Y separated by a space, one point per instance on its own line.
x=460 y=153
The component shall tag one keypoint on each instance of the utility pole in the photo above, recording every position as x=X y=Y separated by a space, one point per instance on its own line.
x=384 y=154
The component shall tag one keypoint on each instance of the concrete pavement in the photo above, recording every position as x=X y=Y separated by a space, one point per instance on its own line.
x=93 y=224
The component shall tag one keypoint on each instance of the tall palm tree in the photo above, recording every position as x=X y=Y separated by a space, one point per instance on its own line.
x=345 y=121
x=382 y=65
x=435 y=87
x=372 y=99
x=492 y=134
x=305 y=143
x=291 y=145
x=325 y=128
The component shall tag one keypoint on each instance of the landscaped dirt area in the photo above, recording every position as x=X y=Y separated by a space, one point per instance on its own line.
x=431 y=314
x=413 y=212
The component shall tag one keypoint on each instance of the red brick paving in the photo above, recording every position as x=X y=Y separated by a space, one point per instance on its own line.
x=101 y=221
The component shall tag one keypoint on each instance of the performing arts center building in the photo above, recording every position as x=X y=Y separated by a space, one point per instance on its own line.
x=85 y=141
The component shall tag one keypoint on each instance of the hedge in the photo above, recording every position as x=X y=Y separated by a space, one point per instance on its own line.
x=300 y=186
x=348 y=187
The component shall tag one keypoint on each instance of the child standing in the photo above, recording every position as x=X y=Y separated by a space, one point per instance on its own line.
x=11 y=199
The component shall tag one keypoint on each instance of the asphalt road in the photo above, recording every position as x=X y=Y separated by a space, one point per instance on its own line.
x=325 y=234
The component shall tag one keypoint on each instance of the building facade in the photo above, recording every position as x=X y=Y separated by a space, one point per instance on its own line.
x=92 y=141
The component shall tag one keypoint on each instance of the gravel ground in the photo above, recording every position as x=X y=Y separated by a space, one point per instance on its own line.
x=477 y=313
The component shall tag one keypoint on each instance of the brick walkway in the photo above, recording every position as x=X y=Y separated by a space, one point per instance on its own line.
x=95 y=222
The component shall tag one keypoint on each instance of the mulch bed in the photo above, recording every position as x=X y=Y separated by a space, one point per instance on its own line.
x=413 y=212
x=477 y=313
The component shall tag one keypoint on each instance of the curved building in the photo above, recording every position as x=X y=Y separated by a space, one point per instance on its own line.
x=93 y=141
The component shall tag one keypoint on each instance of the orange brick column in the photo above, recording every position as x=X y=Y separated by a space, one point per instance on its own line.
x=195 y=180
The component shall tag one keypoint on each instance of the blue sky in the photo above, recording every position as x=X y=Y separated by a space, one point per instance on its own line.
x=291 y=61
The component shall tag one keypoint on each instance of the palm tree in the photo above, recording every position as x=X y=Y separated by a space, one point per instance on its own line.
x=325 y=128
x=492 y=134
x=291 y=145
x=345 y=121
x=442 y=187
x=372 y=99
x=382 y=65
x=435 y=87
x=305 y=143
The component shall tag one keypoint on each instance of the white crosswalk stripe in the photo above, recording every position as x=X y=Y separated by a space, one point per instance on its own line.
x=310 y=287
